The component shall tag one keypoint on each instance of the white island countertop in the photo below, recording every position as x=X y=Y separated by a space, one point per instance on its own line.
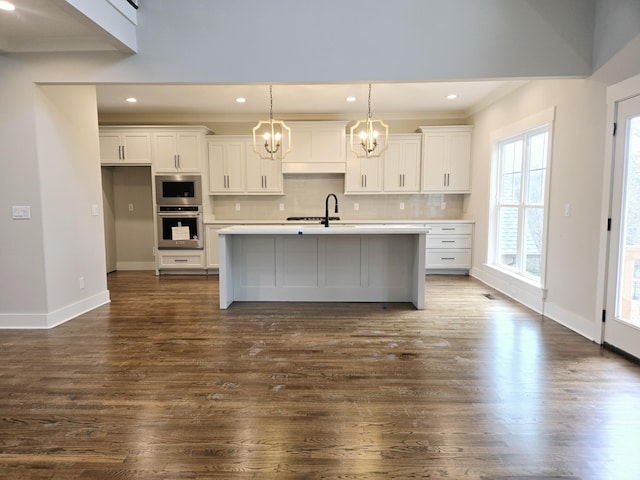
x=315 y=229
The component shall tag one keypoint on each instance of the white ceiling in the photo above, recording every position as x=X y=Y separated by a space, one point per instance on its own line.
x=395 y=99
x=49 y=25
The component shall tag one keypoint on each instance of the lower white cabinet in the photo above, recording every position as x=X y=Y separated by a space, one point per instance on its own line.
x=449 y=247
x=180 y=259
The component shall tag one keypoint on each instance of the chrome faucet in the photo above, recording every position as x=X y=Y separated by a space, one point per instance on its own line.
x=325 y=222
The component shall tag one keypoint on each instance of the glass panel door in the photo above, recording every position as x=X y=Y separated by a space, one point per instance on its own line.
x=622 y=329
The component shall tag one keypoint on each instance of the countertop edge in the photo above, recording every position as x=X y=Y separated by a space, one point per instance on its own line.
x=336 y=222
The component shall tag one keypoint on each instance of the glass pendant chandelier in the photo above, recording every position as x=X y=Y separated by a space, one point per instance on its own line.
x=369 y=137
x=271 y=138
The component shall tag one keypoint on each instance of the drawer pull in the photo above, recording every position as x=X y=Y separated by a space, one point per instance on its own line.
x=181 y=260
x=448 y=241
x=447 y=258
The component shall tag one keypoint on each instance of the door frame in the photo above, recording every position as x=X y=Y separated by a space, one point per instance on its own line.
x=615 y=94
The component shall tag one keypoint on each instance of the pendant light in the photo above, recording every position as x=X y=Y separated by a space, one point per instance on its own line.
x=369 y=137
x=271 y=138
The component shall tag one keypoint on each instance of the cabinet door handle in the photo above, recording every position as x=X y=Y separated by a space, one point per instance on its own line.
x=178 y=157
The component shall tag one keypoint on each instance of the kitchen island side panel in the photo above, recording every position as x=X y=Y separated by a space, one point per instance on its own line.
x=324 y=268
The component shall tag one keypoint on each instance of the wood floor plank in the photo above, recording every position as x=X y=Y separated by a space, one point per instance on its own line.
x=161 y=384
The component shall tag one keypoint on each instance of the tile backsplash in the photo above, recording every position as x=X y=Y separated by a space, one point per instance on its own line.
x=304 y=195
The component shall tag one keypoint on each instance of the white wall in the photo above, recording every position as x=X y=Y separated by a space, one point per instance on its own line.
x=576 y=179
x=133 y=228
x=54 y=169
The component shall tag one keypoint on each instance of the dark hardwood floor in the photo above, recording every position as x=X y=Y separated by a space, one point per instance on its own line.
x=160 y=384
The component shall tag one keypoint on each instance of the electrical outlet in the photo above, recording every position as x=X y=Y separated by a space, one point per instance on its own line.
x=443 y=205
x=81 y=282
x=282 y=207
x=567 y=209
x=131 y=207
x=401 y=205
x=356 y=206
x=237 y=207
x=21 y=213
x=95 y=211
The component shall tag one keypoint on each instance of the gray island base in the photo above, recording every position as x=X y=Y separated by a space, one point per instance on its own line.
x=313 y=263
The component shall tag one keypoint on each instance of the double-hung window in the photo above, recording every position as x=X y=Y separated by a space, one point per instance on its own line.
x=520 y=197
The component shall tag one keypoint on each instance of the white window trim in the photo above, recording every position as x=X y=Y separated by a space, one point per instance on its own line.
x=544 y=117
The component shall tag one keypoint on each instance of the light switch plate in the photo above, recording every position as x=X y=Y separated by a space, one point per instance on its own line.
x=21 y=212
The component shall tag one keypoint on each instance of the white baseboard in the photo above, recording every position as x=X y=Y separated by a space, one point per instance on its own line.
x=30 y=321
x=583 y=326
x=522 y=292
x=533 y=297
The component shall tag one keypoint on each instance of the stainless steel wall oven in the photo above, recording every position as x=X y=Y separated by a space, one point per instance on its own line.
x=180 y=226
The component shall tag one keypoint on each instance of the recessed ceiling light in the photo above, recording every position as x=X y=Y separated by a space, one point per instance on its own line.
x=7 y=6
x=131 y=100
x=452 y=96
x=351 y=99
x=241 y=100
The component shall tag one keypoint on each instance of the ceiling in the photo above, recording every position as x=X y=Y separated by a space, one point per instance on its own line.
x=50 y=26
x=393 y=99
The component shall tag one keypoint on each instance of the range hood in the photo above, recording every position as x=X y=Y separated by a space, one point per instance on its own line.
x=317 y=147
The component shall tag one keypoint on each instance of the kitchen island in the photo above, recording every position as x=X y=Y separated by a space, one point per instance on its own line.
x=313 y=263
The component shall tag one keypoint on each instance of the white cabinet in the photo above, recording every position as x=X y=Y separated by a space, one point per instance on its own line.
x=264 y=176
x=227 y=160
x=316 y=147
x=449 y=247
x=125 y=146
x=235 y=169
x=178 y=150
x=180 y=259
x=401 y=163
x=446 y=159
x=211 y=245
x=364 y=175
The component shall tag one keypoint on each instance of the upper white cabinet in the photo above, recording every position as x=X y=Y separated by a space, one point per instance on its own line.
x=397 y=170
x=446 y=159
x=227 y=160
x=401 y=163
x=235 y=169
x=263 y=175
x=316 y=147
x=125 y=146
x=364 y=175
x=178 y=150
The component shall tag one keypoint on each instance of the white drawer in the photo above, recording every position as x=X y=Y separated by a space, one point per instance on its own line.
x=181 y=260
x=448 y=241
x=450 y=228
x=449 y=259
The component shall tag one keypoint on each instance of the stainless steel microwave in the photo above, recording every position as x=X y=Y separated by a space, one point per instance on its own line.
x=178 y=190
